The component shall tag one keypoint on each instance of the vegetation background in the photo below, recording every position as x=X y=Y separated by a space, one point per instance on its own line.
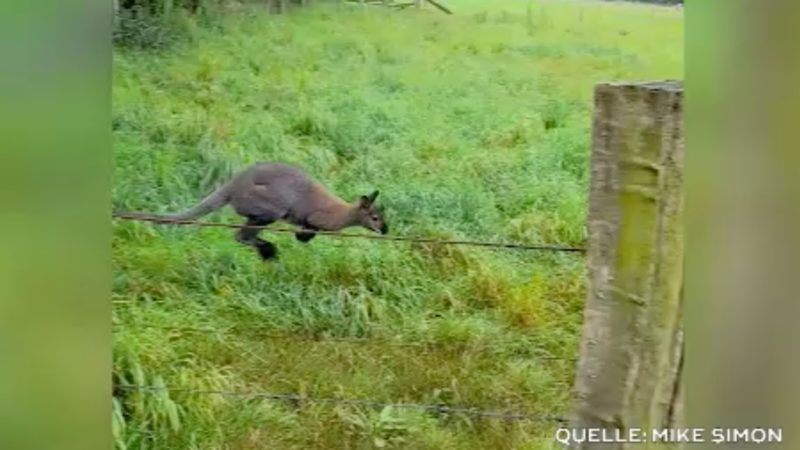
x=475 y=125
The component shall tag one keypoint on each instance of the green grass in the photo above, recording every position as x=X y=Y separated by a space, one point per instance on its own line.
x=473 y=126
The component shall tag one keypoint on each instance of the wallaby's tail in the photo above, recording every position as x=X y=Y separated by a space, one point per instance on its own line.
x=214 y=201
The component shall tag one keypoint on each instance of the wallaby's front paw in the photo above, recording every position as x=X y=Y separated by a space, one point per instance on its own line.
x=267 y=250
x=304 y=236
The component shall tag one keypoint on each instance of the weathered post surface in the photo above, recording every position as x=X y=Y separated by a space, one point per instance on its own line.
x=629 y=370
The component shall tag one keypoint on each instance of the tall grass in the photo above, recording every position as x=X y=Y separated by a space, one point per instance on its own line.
x=475 y=125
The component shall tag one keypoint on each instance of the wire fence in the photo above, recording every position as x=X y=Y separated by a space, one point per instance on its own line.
x=297 y=399
x=441 y=408
x=420 y=240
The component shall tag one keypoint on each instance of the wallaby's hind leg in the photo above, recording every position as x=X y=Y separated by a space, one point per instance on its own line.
x=249 y=236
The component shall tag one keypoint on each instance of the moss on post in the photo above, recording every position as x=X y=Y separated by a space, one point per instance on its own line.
x=632 y=342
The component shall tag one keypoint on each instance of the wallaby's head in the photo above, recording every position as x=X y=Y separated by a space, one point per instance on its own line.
x=368 y=215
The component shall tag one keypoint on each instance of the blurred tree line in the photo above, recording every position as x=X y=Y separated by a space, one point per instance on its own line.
x=153 y=23
x=159 y=23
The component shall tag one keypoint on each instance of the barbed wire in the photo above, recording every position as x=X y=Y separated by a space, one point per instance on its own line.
x=297 y=398
x=338 y=339
x=437 y=408
x=421 y=240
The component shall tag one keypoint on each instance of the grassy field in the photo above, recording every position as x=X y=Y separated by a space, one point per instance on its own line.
x=475 y=125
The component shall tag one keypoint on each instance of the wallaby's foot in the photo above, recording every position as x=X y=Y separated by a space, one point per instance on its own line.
x=267 y=250
x=304 y=236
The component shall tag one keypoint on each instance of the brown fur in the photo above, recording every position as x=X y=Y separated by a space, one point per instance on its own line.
x=271 y=191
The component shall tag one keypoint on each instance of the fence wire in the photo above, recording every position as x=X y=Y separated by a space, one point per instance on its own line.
x=420 y=240
x=297 y=398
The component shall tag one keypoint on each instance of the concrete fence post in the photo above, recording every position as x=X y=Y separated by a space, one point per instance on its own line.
x=631 y=352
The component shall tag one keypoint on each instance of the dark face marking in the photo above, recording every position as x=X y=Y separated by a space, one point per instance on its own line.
x=372 y=219
x=369 y=215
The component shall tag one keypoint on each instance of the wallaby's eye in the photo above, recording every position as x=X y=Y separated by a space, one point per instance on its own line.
x=375 y=218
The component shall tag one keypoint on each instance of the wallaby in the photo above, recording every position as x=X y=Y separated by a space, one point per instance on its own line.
x=267 y=192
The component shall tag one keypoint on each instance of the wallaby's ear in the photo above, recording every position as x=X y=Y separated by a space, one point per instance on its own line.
x=367 y=200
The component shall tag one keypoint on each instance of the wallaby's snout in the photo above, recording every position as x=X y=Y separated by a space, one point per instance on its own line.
x=369 y=216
